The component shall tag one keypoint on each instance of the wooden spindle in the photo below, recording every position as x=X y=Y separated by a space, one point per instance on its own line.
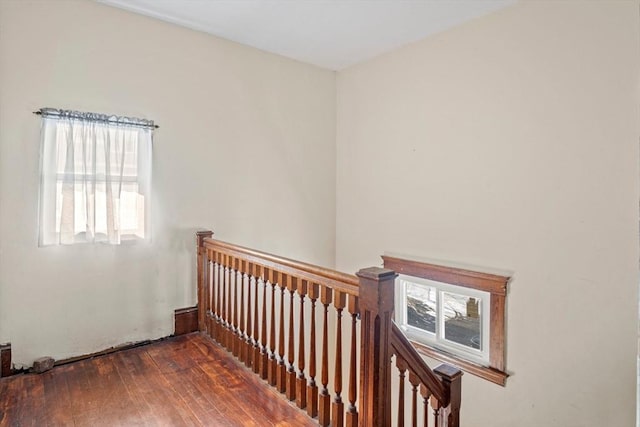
x=213 y=279
x=436 y=411
x=273 y=362
x=324 y=403
x=230 y=310
x=230 y=305
x=212 y=296
x=424 y=392
x=312 y=387
x=256 y=324
x=237 y=277
x=292 y=285
x=241 y=317
x=223 y=302
x=205 y=292
x=402 y=368
x=337 y=407
x=219 y=299
x=415 y=382
x=301 y=381
x=264 y=355
x=376 y=308
x=281 y=370
x=248 y=355
x=225 y=285
x=352 y=412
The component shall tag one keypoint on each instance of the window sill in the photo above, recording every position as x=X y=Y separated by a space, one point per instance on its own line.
x=485 y=372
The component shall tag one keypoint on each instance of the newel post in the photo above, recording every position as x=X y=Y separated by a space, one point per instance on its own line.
x=376 y=308
x=452 y=381
x=202 y=309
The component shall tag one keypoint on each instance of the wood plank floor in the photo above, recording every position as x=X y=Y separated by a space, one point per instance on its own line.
x=182 y=381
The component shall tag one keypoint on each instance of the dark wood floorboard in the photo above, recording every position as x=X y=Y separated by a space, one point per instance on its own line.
x=182 y=381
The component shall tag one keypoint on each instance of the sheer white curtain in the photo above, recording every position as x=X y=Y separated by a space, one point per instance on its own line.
x=96 y=178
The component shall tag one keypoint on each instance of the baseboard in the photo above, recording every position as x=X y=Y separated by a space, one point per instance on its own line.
x=104 y=352
x=186 y=320
x=5 y=360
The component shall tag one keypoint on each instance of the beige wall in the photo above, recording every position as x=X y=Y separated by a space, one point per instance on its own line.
x=511 y=142
x=246 y=146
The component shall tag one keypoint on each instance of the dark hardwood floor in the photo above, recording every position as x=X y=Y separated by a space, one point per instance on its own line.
x=182 y=381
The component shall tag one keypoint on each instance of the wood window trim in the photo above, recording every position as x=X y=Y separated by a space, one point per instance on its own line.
x=494 y=284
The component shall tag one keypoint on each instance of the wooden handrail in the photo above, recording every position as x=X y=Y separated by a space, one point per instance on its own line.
x=403 y=348
x=337 y=280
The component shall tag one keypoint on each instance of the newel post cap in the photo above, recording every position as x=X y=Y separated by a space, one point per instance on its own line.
x=376 y=289
x=377 y=274
x=203 y=234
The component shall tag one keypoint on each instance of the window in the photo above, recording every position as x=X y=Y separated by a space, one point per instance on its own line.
x=95 y=178
x=453 y=315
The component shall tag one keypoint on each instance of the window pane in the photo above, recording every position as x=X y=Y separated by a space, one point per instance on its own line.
x=421 y=306
x=462 y=319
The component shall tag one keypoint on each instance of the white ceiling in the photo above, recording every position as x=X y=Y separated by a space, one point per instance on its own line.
x=332 y=34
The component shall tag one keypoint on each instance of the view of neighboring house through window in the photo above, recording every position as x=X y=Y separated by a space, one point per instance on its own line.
x=446 y=316
x=95 y=178
x=453 y=314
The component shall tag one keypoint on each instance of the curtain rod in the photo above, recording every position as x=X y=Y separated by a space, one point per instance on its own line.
x=104 y=120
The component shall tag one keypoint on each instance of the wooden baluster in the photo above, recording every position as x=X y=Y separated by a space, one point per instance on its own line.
x=301 y=381
x=424 y=392
x=264 y=355
x=211 y=281
x=231 y=305
x=256 y=326
x=204 y=302
x=281 y=370
x=401 y=364
x=220 y=302
x=436 y=411
x=230 y=281
x=212 y=302
x=291 y=371
x=324 y=404
x=452 y=381
x=225 y=284
x=415 y=382
x=234 y=314
x=337 y=407
x=352 y=412
x=376 y=308
x=231 y=285
x=312 y=387
x=214 y=281
x=216 y=273
x=241 y=320
x=223 y=305
x=273 y=362
x=248 y=345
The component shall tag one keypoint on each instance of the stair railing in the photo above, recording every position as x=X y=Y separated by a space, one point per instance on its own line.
x=284 y=320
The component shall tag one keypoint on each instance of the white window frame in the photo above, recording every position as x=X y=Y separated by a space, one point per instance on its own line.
x=438 y=339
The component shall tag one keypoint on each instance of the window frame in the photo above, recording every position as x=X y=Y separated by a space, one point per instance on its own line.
x=438 y=338
x=494 y=284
